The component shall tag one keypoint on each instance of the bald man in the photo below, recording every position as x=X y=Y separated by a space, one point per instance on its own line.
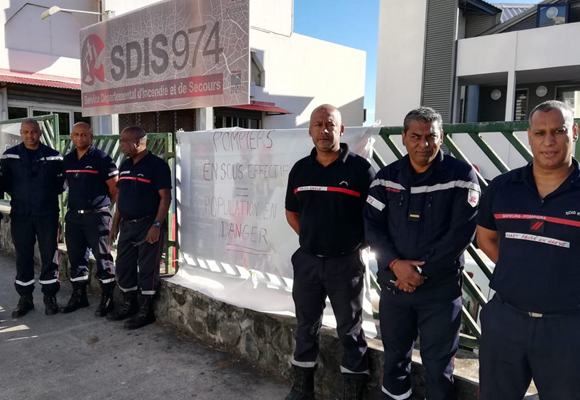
x=92 y=178
x=324 y=205
x=33 y=176
x=143 y=202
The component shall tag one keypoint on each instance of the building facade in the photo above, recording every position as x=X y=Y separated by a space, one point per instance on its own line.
x=40 y=71
x=474 y=61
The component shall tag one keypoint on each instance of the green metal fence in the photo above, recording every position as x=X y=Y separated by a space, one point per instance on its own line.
x=10 y=131
x=473 y=297
x=10 y=134
x=160 y=144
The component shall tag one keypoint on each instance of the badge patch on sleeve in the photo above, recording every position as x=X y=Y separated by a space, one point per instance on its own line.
x=473 y=197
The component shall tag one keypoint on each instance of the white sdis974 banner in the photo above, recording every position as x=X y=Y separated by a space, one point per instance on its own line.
x=235 y=243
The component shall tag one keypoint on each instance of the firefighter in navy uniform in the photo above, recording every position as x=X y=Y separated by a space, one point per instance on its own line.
x=142 y=206
x=92 y=177
x=324 y=203
x=419 y=218
x=33 y=176
x=529 y=225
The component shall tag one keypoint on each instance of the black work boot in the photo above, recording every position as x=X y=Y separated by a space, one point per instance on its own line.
x=303 y=387
x=25 y=304
x=78 y=299
x=145 y=316
x=50 y=305
x=126 y=309
x=353 y=389
x=107 y=303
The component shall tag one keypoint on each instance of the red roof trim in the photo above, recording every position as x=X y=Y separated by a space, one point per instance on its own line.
x=28 y=78
x=267 y=107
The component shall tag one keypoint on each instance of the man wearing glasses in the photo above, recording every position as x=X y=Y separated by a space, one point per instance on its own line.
x=92 y=177
x=144 y=200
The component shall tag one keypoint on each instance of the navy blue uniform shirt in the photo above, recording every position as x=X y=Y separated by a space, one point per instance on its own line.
x=139 y=186
x=426 y=217
x=538 y=268
x=87 y=179
x=329 y=202
x=34 y=184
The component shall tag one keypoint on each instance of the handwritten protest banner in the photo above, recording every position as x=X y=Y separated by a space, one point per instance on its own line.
x=235 y=243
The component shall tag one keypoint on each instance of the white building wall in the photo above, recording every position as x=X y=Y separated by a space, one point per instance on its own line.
x=124 y=6
x=275 y=16
x=549 y=47
x=47 y=47
x=301 y=73
x=401 y=49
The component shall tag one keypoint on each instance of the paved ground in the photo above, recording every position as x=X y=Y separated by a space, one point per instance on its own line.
x=77 y=356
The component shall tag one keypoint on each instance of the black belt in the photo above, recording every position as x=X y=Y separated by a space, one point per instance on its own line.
x=346 y=253
x=537 y=314
x=92 y=210
x=134 y=221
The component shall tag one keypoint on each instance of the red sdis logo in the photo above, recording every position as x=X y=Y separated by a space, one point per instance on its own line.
x=92 y=56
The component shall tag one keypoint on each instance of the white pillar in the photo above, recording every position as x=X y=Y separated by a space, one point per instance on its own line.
x=204 y=119
x=3 y=104
x=115 y=124
x=510 y=96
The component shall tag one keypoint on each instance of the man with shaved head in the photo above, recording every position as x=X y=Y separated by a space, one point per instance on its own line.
x=142 y=206
x=92 y=177
x=529 y=225
x=33 y=176
x=324 y=205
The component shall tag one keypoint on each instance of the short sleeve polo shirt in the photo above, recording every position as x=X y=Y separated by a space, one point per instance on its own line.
x=539 y=241
x=329 y=202
x=87 y=179
x=139 y=185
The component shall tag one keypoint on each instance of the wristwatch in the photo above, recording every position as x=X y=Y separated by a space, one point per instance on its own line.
x=157 y=224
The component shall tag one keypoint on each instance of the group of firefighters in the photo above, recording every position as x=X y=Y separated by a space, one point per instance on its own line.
x=34 y=175
x=417 y=214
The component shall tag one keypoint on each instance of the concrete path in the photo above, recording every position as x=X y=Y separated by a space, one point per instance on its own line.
x=78 y=356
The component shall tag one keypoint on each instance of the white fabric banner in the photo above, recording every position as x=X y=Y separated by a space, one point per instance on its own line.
x=235 y=243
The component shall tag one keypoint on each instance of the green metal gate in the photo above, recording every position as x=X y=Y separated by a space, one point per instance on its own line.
x=473 y=297
x=160 y=144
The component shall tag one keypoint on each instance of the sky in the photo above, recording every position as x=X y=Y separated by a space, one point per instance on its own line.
x=352 y=23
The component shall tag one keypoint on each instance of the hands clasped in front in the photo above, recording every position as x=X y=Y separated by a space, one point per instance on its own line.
x=407 y=276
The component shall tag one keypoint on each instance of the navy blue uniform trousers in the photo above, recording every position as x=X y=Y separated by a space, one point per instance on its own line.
x=341 y=279
x=405 y=316
x=25 y=231
x=89 y=230
x=138 y=264
x=516 y=347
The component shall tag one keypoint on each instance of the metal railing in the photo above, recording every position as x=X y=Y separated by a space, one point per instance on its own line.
x=160 y=144
x=473 y=297
x=10 y=134
x=48 y=124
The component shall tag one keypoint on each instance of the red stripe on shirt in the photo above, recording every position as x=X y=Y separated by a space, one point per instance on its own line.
x=326 y=189
x=87 y=171
x=560 y=221
x=132 y=178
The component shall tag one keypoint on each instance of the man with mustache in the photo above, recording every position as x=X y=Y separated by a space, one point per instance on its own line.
x=419 y=219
